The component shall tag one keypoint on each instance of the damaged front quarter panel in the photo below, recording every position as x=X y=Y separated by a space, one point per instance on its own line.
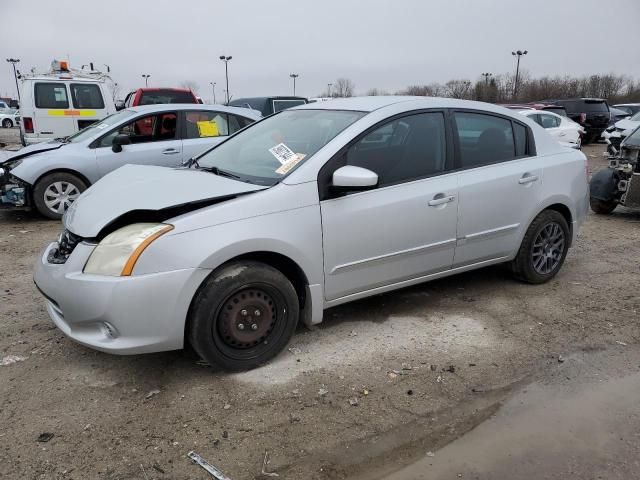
x=13 y=191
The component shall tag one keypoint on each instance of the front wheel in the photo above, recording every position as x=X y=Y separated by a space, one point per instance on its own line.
x=602 y=207
x=54 y=193
x=243 y=315
x=543 y=249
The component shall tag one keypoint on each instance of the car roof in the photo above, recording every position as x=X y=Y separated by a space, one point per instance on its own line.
x=627 y=105
x=166 y=107
x=157 y=89
x=369 y=104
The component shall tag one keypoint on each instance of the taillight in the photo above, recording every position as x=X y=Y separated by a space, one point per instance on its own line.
x=28 y=124
x=583 y=117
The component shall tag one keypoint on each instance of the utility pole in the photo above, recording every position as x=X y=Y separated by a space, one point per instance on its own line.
x=226 y=59
x=517 y=53
x=294 y=76
x=213 y=88
x=13 y=62
x=329 y=89
x=146 y=79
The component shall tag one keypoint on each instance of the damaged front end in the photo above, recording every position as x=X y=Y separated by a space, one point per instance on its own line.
x=14 y=193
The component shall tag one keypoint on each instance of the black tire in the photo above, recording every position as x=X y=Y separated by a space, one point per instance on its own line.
x=219 y=310
x=602 y=207
x=7 y=123
x=42 y=189
x=525 y=266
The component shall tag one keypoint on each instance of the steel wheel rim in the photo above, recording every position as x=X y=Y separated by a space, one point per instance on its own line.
x=548 y=248
x=59 y=195
x=247 y=318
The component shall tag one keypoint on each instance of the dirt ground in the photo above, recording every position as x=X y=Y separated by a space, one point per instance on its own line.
x=377 y=385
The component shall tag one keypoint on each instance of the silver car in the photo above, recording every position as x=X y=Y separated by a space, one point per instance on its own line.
x=50 y=176
x=310 y=208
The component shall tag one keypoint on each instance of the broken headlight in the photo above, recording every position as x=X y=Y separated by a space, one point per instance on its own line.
x=118 y=252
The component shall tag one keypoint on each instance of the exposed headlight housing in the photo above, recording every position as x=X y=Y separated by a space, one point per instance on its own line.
x=118 y=252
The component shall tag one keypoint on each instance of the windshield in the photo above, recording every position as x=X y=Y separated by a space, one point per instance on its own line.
x=636 y=117
x=634 y=138
x=97 y=127
x=267 y=151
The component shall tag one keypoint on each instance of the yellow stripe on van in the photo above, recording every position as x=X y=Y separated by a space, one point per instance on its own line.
x=71 y=113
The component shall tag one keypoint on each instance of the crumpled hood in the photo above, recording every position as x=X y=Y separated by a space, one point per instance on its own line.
x=148 y=188
x=31 y=149
x=626 y=125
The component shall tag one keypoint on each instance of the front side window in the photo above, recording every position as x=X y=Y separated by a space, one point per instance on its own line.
x=269 y=150
x=150 y=128
x=86 y=96
x=484 y=139
x=51 y=95
x=96 y=128
x=404 y=149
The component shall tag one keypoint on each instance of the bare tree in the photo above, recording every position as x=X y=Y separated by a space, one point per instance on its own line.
x=191 y=85
x=342 y=87
x=459 y=89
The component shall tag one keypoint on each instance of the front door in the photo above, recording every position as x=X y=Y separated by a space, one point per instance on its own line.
x=499 y=184
x=154 y=141
x=403 y=229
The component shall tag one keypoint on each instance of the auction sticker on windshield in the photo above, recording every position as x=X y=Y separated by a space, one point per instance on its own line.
x=289 y=164
x=282 y=153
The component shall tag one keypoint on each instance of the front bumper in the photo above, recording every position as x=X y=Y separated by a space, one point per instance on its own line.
x=121 y=315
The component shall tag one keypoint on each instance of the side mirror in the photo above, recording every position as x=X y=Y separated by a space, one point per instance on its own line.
x=118 y=141
x=350 y=179
x=119 y=105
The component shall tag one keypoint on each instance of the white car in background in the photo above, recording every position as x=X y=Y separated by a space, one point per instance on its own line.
x=563 y=129
x=9 y=118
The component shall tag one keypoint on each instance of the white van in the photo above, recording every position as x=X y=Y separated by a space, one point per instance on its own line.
x=62 y=102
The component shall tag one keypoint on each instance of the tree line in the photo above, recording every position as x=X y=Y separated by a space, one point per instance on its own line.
x=501 y=88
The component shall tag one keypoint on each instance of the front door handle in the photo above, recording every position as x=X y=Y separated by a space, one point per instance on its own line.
x=441 y=199
x=170 y=151
x=526 y=178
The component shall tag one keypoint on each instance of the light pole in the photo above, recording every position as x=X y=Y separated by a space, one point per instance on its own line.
x=486 y=76
x=213 y=89
x=13 y=62
x=517 y=53
x=329 y=89
x=146 y=79
x=226 y=72
x=294 y=76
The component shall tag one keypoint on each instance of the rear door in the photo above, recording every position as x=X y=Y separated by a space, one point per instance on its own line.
x=89 y=105
x=203 y=129
x=52 y=106
x=499 y=183
x=154 y=141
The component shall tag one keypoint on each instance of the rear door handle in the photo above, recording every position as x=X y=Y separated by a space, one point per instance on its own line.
x=441 y=199
x=170 y=151
x=527 y=179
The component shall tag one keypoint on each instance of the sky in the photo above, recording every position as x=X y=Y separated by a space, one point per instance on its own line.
x=384 y=44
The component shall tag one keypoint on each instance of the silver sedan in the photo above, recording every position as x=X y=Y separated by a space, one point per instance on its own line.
x=310 y=208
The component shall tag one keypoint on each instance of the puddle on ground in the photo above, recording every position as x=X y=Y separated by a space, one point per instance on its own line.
x=557 y=431
x=351 y=344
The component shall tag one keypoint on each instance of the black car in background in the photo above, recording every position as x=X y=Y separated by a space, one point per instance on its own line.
x=592 y=113
x=268 y=105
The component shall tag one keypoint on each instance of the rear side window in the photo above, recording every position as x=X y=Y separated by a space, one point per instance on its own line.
x=86 y=96
x=51 y=95
x=166 y=96
x=484 y=139
x=403 y=150
x=204 y=124
x=547 y=121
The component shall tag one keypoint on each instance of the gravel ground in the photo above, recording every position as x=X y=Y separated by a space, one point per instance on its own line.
x=373 y=388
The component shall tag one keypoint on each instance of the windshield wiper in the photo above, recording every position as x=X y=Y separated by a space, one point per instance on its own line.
x=217 y=171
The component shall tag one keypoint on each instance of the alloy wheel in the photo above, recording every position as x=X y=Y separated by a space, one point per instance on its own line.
x=548 y=248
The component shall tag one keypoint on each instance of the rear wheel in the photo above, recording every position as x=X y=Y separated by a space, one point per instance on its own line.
x=602 y=207
x=6 y=123
x=54 y=193
x=243 y=315
x=543 y=249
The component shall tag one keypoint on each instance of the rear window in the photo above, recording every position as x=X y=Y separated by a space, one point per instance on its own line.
x=51 y=95
x=595 y=107
x=586 y=106
x=166 y=96
x=86 y=96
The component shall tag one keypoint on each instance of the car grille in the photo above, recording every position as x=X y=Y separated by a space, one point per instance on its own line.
x=67 y=242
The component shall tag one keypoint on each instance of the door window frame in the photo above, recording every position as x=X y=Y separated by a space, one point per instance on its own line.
x=530 y=147
x=338 y=160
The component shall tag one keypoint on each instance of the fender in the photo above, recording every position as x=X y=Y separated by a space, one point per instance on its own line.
x=604 y=184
